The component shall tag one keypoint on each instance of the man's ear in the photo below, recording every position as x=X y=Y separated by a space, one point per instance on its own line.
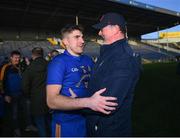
x=65 y=41
x=117 y=27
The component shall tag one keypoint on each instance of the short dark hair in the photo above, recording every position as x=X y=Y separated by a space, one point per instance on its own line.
x=37 y=51
x=69 y=28
x=15 y=52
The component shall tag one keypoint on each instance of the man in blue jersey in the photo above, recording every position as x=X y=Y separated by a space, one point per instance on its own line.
x=67 y=82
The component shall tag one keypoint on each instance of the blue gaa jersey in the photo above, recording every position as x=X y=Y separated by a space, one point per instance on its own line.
x=73 y=73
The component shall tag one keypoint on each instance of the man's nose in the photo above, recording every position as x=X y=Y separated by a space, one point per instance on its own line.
x=100 y=33
x=82 y=40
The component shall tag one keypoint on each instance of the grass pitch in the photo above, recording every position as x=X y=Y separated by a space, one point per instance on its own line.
x=156 y=107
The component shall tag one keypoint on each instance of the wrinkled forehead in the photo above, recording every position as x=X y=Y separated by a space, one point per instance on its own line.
x=15 y=56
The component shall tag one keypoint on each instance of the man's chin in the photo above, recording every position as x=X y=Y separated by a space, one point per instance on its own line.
x=80 y=52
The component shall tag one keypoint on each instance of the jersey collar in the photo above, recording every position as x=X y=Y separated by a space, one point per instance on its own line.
x=75 y=57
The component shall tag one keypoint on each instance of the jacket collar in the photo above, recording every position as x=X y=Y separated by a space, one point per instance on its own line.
x=116 y=46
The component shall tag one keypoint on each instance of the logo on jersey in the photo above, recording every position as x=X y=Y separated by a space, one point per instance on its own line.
x=85 y=76
x=74 y=69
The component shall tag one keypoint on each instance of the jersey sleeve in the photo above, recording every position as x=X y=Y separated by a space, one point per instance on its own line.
x=56 y=72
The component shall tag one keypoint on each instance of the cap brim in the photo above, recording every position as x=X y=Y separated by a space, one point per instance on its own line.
x=99 y=26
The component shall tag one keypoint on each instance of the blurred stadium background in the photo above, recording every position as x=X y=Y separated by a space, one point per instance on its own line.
x=27 y=24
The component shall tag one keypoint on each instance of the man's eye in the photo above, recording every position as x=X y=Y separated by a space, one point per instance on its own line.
x=77 y=36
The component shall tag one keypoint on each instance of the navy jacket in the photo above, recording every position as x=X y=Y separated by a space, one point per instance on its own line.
x=12 y=81
x=117 y=70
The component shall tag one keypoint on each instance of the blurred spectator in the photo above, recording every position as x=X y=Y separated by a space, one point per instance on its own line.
x=11 y=80
x=34 y=87
x=24 y=63
x=5 y=61
x=51 y=55
x=48 y=57
x=54 y=53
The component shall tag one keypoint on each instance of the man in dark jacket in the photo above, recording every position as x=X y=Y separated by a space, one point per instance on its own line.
x=11 y=80
x=34 y=79
x=117 y=70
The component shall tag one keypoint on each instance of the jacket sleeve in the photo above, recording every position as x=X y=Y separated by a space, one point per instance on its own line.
x=120 y=80
x=4 y=83
x=118 y=84
x=26 y=82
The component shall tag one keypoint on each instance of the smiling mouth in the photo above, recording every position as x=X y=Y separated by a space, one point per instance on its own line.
x=81 y=45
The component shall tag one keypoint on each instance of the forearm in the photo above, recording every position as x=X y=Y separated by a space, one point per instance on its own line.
x=67 y=103
x=95 y=102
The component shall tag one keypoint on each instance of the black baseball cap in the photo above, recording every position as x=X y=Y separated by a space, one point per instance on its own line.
x=110 y=18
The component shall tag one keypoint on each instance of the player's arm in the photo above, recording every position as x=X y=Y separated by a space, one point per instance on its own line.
x=96 y=102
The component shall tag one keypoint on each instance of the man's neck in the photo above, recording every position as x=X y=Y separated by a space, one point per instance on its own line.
x=14 y=65
x=114 y=39
x=72 y=53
